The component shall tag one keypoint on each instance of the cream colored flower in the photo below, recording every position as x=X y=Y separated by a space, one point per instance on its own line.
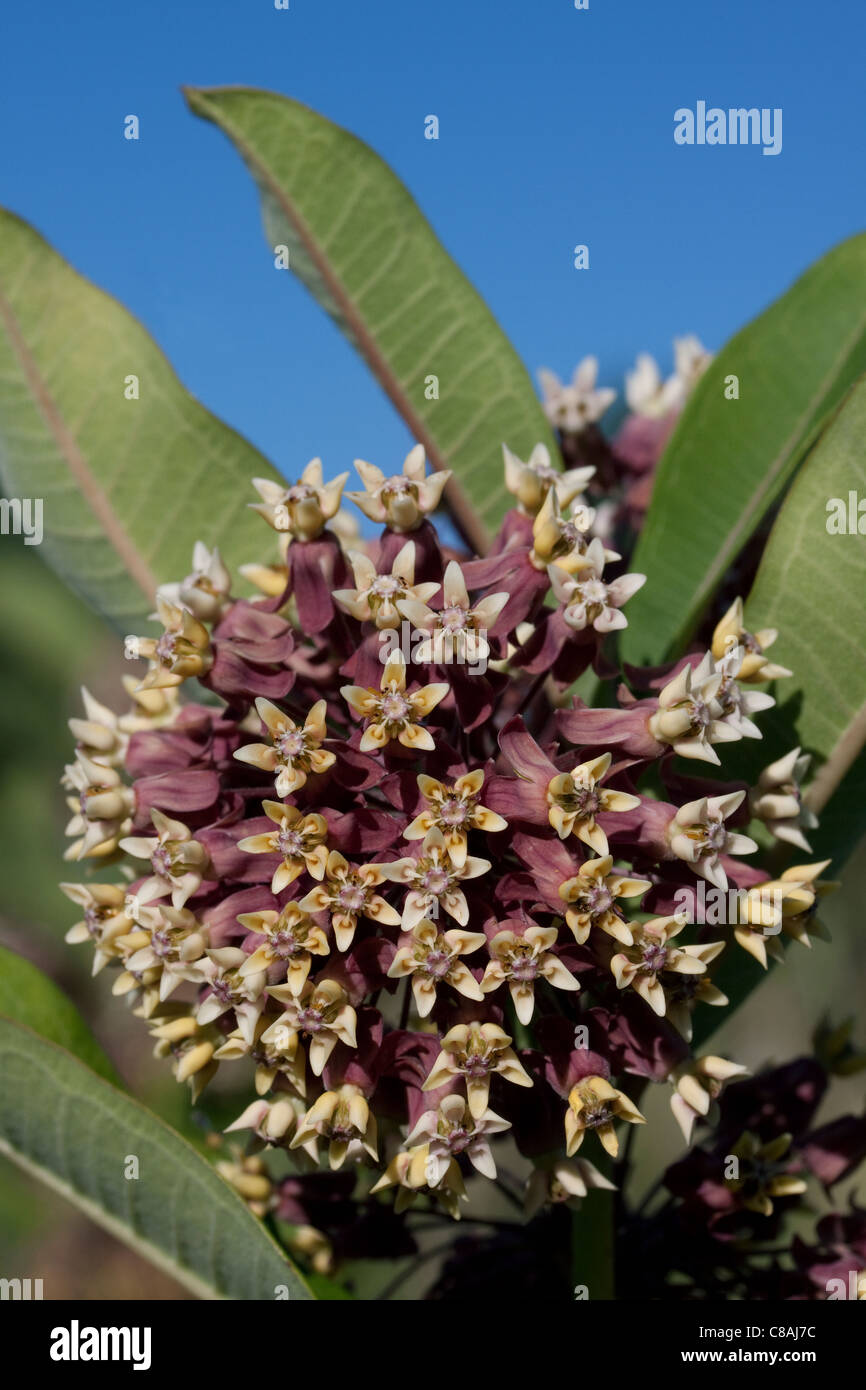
x=220 y=972
x=99 y=736
x=345 y=1120
x=697 y=1085
x=530 y=482
x=298 y=838
x=561 y=540
x=451 y=1130
x=295 y=752
x=105 y=919
x=321 y=1013
x=182 y=651
x=291 y=940
x=175 y=937
x=347 y=894
x=376 y=597
x=591 y=897
x=433 y=880
x=689 y=717
x=647 y=394
x=576 y=798
x=433 y=959
x=391 y=713
x=453 y=811
x=190 y=1046
x=594 y=1104
x=777 y=800
x=400 y=502
x=290 y=1062
x=730 y=632
x=457 y=631
x=302 y=508
x=589 y=601
x=736 y=704
x=571 y=408
x=651 y=955
x=179 y=863
x=206 y=591
x=519 y=961
x=565 y=1181
x=698 y=835
x=102 y=806
x=270 y=1121
x=476 y=1051
x=412 y=1173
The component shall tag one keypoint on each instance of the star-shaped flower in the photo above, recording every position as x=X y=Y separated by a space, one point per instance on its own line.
x=433 y=879
x=291 y=940
x=400 y=502
x=453 y=811
x=376 y=597
x=642 y=964
x=689 y=716
x=206 y=591
x=457 y=631
x=590 y=602
x=576 y=798
x=432 y=959
x=345 y=1120
x=571 y=408
x=594 y=1104
x=347 y=894
x=731 y=632
x=530 y=482
x=300 y=839
x=182 y=651
x=519 y=960
x=179 y=863
x=295 y=752
x=698 y=835
x=391 y=713
x=451 y=1130
x=321 y=1013
x=302 y=508
x=778 y=802
x=476 y=1052
x=591 y=897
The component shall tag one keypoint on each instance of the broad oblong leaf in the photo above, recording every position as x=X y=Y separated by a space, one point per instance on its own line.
x=729 y=459
x=67 y=1126
x=359 y=243
x=126 y=484
x=29 y=997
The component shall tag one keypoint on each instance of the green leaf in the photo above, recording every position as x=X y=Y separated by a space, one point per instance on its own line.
x=27 y=996
x=810 y=586
x=69 y=1127
x=729 y=460
x=127 y=486
x=359 y=243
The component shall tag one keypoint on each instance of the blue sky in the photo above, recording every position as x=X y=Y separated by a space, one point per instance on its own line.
x=556 y=128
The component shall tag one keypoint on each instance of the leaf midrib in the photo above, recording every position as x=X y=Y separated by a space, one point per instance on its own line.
x=98 y=501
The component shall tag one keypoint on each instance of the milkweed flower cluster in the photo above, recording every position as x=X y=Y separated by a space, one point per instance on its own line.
x=427 y=907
